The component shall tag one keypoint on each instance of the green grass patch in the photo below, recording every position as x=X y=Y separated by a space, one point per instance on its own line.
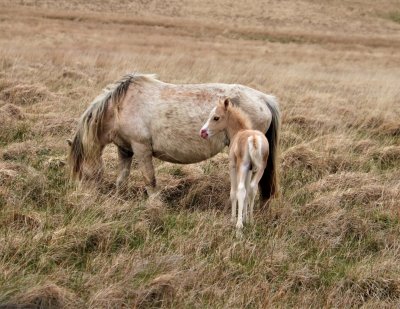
x=15 y=132
x=394 y=16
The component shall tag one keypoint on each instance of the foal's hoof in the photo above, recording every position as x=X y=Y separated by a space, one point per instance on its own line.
x=239 y=233
x=239 y=226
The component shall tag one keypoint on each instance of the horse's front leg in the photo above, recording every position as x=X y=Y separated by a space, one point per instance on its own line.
x=125 y=161
x=144 y=156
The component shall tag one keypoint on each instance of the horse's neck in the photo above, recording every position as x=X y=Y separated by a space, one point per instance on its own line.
x=235 y=123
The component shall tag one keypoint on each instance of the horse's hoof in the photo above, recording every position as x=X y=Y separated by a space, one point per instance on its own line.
x=154 y=196
x=153 y=191
x=233 y=220
x=239 y=225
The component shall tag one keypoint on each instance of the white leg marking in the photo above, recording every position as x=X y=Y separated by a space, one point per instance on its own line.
x=254 y=188
x=246 y=201
x=252 y=195
x=241 y=195
x=233 y=193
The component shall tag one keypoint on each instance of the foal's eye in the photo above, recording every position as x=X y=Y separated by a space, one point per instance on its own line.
x=216 y=118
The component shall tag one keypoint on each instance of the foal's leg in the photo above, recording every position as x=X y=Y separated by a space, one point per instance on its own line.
x=125 y=161
x=246 y=200
x=241 y=194
x=253 y=191
x=144 y=155
x=233 y=192
x=252 y=195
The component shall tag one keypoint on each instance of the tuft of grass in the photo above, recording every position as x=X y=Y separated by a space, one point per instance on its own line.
x=23 y=95
x=15 y=132
x=394 y=16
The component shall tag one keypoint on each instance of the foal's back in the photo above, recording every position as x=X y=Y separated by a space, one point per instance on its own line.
x=250 y=147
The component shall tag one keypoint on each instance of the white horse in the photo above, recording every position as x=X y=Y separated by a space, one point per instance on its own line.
x=150 y=118
x=248 y=156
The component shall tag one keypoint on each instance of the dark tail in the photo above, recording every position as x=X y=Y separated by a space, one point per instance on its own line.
x=269 y=182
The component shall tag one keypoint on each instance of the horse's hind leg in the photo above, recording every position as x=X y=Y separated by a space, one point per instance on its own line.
x=144 y=156
x=125 y=161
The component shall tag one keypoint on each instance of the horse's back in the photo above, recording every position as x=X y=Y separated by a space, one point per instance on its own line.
x=169 y=116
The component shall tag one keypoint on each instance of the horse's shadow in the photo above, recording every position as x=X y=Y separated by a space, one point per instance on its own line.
x=191 y=193
x=130 y=192
x=197 y=193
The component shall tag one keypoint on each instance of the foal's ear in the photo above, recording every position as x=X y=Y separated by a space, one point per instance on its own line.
x=227 y=102
x=69 y=141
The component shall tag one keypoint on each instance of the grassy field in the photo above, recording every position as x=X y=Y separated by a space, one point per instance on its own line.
x=331 y=240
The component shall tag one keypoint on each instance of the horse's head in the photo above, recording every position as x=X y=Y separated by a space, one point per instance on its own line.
x=217 y=121
x=84 y=166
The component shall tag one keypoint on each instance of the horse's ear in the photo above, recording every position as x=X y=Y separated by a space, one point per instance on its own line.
x=227 y=102
x=69 y=142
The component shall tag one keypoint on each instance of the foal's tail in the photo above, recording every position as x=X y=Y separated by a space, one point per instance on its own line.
x=88 y=142
x=255 y=148
x=269 y=183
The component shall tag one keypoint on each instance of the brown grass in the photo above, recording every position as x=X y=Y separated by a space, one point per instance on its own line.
x=331 y=240
x=47 y=295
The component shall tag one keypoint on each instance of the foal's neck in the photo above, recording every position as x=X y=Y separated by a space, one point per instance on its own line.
x=236 y=122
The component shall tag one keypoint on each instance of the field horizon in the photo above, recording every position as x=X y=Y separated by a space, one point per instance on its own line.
x=331 y=240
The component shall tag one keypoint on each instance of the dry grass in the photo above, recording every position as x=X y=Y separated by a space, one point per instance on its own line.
x=331 y=240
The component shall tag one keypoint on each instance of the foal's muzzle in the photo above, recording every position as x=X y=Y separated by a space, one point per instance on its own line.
x=204 y=133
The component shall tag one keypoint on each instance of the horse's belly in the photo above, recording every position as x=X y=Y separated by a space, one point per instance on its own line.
x=186 y=150
x=180 y=159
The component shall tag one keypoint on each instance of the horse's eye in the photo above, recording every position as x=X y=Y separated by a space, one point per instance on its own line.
x=216 y=118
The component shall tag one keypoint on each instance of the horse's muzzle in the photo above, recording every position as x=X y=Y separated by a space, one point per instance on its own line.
x=203 y=133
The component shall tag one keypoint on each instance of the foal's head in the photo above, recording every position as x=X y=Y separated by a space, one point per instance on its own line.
x=217 y=120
